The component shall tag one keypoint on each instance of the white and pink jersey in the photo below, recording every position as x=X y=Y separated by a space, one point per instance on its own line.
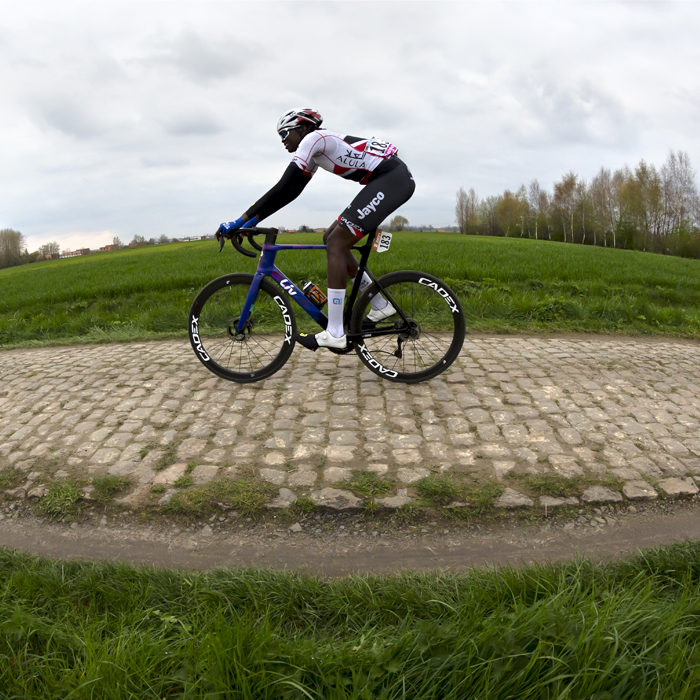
x=351 y=157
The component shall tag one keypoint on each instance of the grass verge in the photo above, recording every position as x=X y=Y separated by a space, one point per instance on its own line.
x=108 y=486
x=560 y=486
x=576 y=630
x=441 y=489
x=504 y=284
x=247 y=496
x=61 y=501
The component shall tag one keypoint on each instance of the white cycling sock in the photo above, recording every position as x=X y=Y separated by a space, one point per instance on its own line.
x=336 y=301
x=377 y=301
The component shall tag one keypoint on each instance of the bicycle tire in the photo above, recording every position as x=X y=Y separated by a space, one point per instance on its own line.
x=433 y=310
x=263 y=347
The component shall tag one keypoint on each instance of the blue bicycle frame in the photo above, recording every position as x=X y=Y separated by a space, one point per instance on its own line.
x=267 y=268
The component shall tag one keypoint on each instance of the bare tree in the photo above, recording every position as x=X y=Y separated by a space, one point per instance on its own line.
x=12 y=245
x=582 y=203
x=49 y=248
x=466 y=210
x=605 y=209
x=564 y=202
x=680 y=191
x=642 y=199
x=488 y=213
x=539 y=204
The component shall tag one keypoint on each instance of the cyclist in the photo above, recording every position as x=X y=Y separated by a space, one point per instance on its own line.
x=387 y=181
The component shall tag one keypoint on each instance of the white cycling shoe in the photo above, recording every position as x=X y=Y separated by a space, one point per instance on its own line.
x=376 y=315
x=321 y=340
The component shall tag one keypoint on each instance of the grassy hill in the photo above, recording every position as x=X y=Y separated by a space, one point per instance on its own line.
x=505 y=285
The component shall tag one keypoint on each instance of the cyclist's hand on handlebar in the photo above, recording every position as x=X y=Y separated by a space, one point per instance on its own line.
x=228 y=228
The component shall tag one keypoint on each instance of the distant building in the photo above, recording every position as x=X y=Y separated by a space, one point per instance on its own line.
x=52 y=256
x=73 y=253
x=105 y=248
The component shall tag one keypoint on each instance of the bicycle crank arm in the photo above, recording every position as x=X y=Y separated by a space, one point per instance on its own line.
x=374 y=333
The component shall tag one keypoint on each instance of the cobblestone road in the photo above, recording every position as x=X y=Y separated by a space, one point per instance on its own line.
x=592 y=407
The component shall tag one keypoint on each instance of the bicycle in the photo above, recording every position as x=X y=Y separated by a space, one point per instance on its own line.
x=242 y=326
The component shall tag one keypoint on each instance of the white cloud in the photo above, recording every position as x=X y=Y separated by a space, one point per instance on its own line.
x=149 y=118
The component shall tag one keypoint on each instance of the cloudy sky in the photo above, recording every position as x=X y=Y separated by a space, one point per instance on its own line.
x=125 y=118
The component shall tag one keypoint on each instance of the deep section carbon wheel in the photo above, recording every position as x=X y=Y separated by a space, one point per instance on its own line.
x=264 y=344
x=422 y=344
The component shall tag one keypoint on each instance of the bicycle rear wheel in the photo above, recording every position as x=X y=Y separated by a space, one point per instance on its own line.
x=266 y=342
x=425 y=347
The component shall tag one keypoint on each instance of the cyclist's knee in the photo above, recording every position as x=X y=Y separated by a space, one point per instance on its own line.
x=340 y=238
x=328 y=231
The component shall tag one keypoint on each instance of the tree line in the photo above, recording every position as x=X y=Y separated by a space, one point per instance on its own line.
x=648 y=209
x=13 y=250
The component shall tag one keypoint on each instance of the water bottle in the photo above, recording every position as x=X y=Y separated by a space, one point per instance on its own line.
x=313 y=294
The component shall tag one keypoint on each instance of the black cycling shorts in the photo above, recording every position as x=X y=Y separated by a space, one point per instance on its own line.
x=389 y=187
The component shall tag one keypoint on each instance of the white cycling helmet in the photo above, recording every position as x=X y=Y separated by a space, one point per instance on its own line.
x=298 y=117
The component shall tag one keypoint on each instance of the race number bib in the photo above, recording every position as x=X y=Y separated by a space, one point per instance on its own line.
x=383 y=149
x=382 y=241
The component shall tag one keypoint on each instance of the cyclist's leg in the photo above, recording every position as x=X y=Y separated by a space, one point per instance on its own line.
x=385 y=193
x=378 y=199
x=338 y=245
x=377 y=301
x=350 y=259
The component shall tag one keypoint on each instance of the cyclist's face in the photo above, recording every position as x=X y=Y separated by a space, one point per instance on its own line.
x=293 y=138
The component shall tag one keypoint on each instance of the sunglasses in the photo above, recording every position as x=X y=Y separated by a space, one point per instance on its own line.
x=285 y=132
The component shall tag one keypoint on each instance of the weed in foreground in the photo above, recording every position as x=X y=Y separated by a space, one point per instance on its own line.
x=248 y=496
x=560 y=486
x=186 y=480
x=166 y=459
x=147 y=448
x=158 y=488
x=109 y=485
x=407 y=514
x=439 y=489
x=481 y=494
x=368 y=485
x=11 y=477
x=62 y=501
x=554 y=485
x=302 y=506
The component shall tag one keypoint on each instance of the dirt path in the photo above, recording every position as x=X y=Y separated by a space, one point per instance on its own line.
x=341 y=549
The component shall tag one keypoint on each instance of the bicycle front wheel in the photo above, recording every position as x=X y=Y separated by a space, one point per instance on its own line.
x=264 y=345
x=421 y=347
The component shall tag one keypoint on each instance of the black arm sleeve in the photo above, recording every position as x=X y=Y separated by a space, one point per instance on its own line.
x=285 y=191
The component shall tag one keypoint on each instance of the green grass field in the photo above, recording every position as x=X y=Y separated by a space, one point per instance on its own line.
x=505 y=285
x=577 y=631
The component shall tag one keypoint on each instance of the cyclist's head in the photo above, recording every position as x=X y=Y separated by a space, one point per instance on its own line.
x=295 y=124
